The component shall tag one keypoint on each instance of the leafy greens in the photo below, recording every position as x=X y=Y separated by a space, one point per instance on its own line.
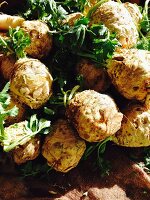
x=4 y=109
x=144 y=42
x=101 y=162
x=28 y=130
x=15 y=42
x=96 y=42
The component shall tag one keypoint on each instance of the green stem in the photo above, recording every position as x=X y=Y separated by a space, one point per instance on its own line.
x=90 y=150
x=87 y=55
x=141 y=34
x=144 y=39
x=5 y=44
x=119 y=1
x=73 y=91
x=1 y=126
x=145 y=10
x=100 y=146
x=18 y=142
x=146 y=6
x=65 y=99
x=94 y=8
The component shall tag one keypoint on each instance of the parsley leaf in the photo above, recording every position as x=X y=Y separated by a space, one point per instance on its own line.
x=145 y=23
x=33 y=168
x=103 y=44
x=100 y=163
x=47 y=11
x=144 y=42
x=144 y=32
x=4 y=111
x=26 y=130
x=75 y=5
x=74 y=37
x=15 y=42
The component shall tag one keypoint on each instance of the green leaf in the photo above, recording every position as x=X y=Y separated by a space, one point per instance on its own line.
x=5 y=89
x=36 y=126
x=34 y=168
x=16 y=42
x=104 y=43
x=4 y=111
x=80 y=80
x=43 y=124
x=144 y=32
x=144 y=42
x=33 y=123
x=145 y=23
x=75 y=5
x=82 y=21
x=5 y=97
x=20 y=40
x=46 y=10
x=29 y=130
x=11 y=112
x=101 y=163
x=49 y=111
x=71 y=37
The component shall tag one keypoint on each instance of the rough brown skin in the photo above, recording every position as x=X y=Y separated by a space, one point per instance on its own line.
x=72 y=18
x=117 y=19
x=94 y=77
x=147 y=100
x=41 y=40
x=63 y=148
x=135 y=128
x=134 y=11
x=28 y=151
x=94 y=115
x=31 y=82
x=129 y=70
x=7 y=66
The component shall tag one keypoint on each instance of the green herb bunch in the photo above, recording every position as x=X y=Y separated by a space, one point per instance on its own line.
x=144 y=42
x=29 y=130
x=15 y=42
x=94 y=42
x=101 y=163
x=75 y=5
x=103 y=44
x=34 y=168
x=45 y=10
x=4 y=111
